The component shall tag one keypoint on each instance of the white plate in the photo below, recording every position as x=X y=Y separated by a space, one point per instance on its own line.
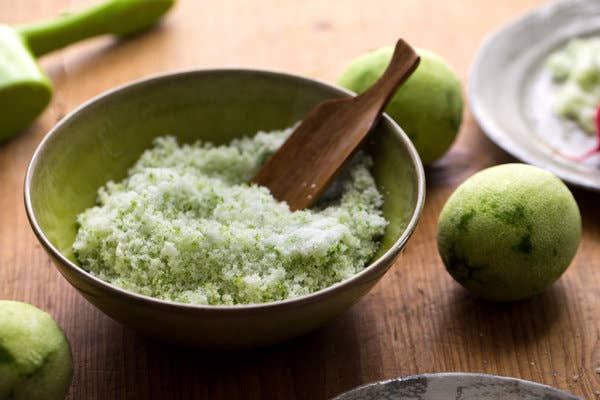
x=510 y=90
x=460 y=386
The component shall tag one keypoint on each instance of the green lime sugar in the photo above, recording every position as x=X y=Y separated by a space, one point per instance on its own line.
x=575 y=69
x=185 y=226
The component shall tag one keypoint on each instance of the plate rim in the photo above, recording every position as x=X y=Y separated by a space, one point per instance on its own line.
x=490 y=128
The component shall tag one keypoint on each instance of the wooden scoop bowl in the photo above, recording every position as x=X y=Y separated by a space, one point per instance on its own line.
x=299 y=172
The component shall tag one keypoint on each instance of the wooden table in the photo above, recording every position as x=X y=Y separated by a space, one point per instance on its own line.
x=416 y=320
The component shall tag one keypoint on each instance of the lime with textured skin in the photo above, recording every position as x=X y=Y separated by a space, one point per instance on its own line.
x=428 y=106
x=35 y=357
x=509 y=232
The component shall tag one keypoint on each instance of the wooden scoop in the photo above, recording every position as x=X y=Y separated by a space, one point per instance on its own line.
x=301 y=169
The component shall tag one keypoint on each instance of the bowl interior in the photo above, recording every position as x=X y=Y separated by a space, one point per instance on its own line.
x=101 y=140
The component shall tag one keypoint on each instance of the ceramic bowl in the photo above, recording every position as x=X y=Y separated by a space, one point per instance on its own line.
x=100 y=140
x=463 y=386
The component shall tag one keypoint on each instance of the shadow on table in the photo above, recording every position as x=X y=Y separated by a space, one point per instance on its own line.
x=471 y=153
x=318 y=365
x=328 y=361
x=497 y=327
x=588 y=206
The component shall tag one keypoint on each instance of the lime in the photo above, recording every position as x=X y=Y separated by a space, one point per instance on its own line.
x=35 y=357
x=509 y=232
x=428 y=106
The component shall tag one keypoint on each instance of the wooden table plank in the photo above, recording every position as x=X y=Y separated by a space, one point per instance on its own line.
x=416 y=320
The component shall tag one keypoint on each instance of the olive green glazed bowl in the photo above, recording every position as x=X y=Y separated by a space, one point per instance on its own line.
x=100 y=140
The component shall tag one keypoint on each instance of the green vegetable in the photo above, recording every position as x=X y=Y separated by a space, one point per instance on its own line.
x=24 y=89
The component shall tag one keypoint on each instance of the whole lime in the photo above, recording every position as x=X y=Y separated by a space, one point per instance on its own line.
x=509 y=232
x=35 y=357
x=428 y=106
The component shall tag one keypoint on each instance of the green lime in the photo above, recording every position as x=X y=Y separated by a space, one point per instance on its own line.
x=35 y=357
x=428 y=106
x=509 y=232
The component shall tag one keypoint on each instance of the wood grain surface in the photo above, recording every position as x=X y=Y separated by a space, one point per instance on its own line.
x=416 y=320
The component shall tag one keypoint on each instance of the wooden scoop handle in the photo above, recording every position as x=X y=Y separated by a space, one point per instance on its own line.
x=403 y=63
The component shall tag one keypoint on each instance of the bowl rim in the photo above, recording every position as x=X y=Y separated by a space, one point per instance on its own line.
x=371 y=268
x=458 y=375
